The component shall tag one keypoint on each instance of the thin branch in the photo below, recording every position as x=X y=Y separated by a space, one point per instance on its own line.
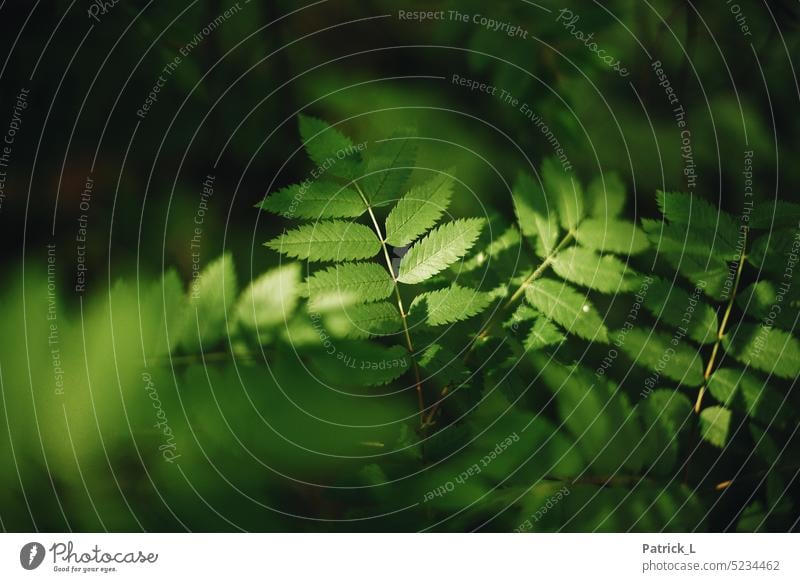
x=722 y=328
x=538 y=272
x=400 y=306
x=541 y=268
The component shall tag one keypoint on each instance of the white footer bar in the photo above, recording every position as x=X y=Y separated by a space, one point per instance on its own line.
x=406 y=557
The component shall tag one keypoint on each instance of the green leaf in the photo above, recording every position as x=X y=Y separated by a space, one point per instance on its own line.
x=769 y=251
x=329 y=148
x=521 y=314
x=331 y=240
x=746 y=392
x=770 y=350
x=713 y=274
x=363 y=321
x=543 y=334
x=606 y=274
x=439 y=249
x=163 y=315
x=450 y=305
x=270 y=300
x=715 y=422
x=674 y=306
x=360 y=363
x=607 y=196
x=674 y=239
x=703 y=220
x=664 y=355
x=568 y=308
x=770 y=303
x=665 y=415
x=315 y=200
x=419 y=210
x=566 y=191
x=211 y=297
x=444 y=365
x=507 y=240
x=595 y=412
x=775 y=214
x=535 y=215
x=612 y=235
x=347 y=284
x=388 y=165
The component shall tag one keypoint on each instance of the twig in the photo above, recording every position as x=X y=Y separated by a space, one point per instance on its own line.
x=400 y=306
x=722 y=328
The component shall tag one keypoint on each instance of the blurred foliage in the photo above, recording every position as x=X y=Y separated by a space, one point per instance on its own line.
x=192 y=385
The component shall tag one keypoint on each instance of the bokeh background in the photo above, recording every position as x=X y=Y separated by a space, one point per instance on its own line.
x=88 y=333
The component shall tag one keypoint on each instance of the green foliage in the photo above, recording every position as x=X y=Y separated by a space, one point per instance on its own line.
x=444 y=306
x=349 y=283
x=419 y=349
x=333 y=240
x=327 y=146
x=315 y=201
x=349 y=300
x=388 y=165
x=543 y=334
x=584 y=267
x=666 y=414
x=363 y=321
x=439 y=249
x=747 y=392
x=270 y=300
x=568 y=308
x=211 y=297
x=567 y=193
x=674 y=306
x=660 y=353
x=612 y=235
x=418 y=211
x=535 y=213
x=607 y=195
x=766 y=301
x=765 y=348
x=715 y=424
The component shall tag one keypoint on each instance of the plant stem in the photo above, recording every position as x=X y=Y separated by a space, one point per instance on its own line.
x=541 y=268
x=722 y=328
x=519 y=292
x=400 y=306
